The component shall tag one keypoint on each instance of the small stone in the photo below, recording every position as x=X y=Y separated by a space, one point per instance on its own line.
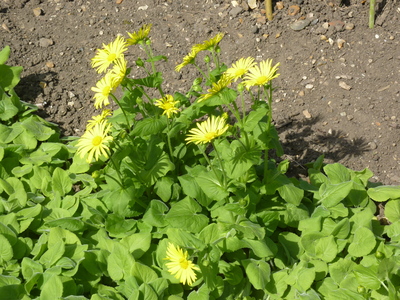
x=307 y=114
x=43 y=42
x=71 y=94
x=252 y=4
x=70 y=103
x=299 y=25
x=349 y=26
x=293 y=10
x=5 y=27
x=350 y=117
x=144 y=7
x=118 y=1
x=330 y=41
x=343 y=114
x=340 y=43
x=325 y=25
x=344 y=85
x=309 y=86
x=323 y=37
x=235 y=11
x=373 y=145
x=50 y=64
x=301 y=93
x=37 y=11
x=279 y=5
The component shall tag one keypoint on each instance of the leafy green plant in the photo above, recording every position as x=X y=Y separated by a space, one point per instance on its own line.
x=174 y=196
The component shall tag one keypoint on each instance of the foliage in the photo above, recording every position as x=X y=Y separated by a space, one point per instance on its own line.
x=100 y=229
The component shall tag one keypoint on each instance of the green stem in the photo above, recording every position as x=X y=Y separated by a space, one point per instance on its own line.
x=124 y=112
x=371 y=13
x=269 y=122
x=201 y=71
x=169 y=141
x=220 y=163
x=120 y=182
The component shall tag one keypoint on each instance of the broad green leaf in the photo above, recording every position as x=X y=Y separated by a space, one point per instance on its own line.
x=52 y=255
x=187 y=214
x=192 y=189
x=367 y=276
x=384 y=192
x=52 y=288
x=212 y=185
x=61 y=182
x=254 y=118
x=119 y=262
x=155 y=214
x=9 y=234
x=151 y=81
x=137 y=243
x=392 y=210
x=260 y=248
x=143 y=273
x=27 y=140
x=147 y=292
x=182 y=238
x=258 y=272
x=291 y=194
x=290 y=243
x=333 y=194
x=337 y=173
x=21 y=171
x=342 y=229
x=363 y=242
x=4 y=55
x=242 y=159
x=149 y=126
x=59 y=235
x=163 y=188
x=157 y=165
x=70 y=223
x=30 y=267
x=10 y=76
x=203 y=293
x=37 y=128
x=6 y=252
x=326 y=249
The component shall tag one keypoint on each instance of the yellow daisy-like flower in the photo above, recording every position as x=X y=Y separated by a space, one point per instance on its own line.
x=109 y=54
x=98 y=119
x=104 y=87
x=262 y=74
x=140 y=35
x=207 y=130
x=119 y=71
x=223 y=82
x=179 y=265
x=188 y=59
x=168 y=105
x=209 y=44
x=240 y=68
x=93 y=142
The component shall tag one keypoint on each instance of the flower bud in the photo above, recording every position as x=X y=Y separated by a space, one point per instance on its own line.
x=96 y=174
x=197 y=88
x=139 y=62
x=240 y=87
x=206 y=59
x=197 y=81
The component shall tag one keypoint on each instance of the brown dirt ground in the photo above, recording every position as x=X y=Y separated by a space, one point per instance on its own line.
x=341 y=102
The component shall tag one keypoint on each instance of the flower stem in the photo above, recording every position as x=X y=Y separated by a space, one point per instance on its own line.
x=123 y=111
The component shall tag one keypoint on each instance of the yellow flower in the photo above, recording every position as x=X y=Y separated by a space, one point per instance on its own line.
x=140 y=35
x=109 y=54
x=168 y=105
x=93 y=142
x=261 y=75
x=188 y=59
x=209 y=44
x=98 y=119
x=207 y=130
x=179 y=265
x=240 y=68
x=223 y=82
x=119 y=71
x=104 y=87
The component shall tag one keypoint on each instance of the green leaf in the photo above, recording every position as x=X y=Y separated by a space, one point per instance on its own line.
x=137 y=243
x=242 y=159
x=290 y=243
x=69 y=223
x=53 y=254
x=155 y=214
x=192 y=189
x=384 y=192
x=203 y=293
x=147 y=292
x=143 y=273
x=52 y=288
x=211 y=185
x=4 y=55
x=10 y=76
x=30 y=267
x=7 y=107
x=6 y=252
x=163 y=188
x=152 y=81
x=367 y=276
x=363 y=242
x=155 y=167
x=255 y=117
x=258 y=272
x=392 y=210
x=326 y=249
x=337 y=173
x=291 y=193
x=185 y=214
x=61 y=182
x=37 y=128
x=149 y=126
x=332 y=194
x=119 y=262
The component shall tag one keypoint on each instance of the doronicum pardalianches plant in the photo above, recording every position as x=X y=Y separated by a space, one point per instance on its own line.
x=174 y=196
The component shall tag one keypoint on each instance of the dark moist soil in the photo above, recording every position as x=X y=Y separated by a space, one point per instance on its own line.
x=338 y=93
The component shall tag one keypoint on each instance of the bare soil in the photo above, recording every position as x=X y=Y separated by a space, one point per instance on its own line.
x=338 y=93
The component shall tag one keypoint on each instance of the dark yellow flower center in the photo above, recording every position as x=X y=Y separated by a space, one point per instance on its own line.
x=262 y=80
x=209 y=136
x=106 y=91
x=184 y=263
x=111 y=57
x=97 y=140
